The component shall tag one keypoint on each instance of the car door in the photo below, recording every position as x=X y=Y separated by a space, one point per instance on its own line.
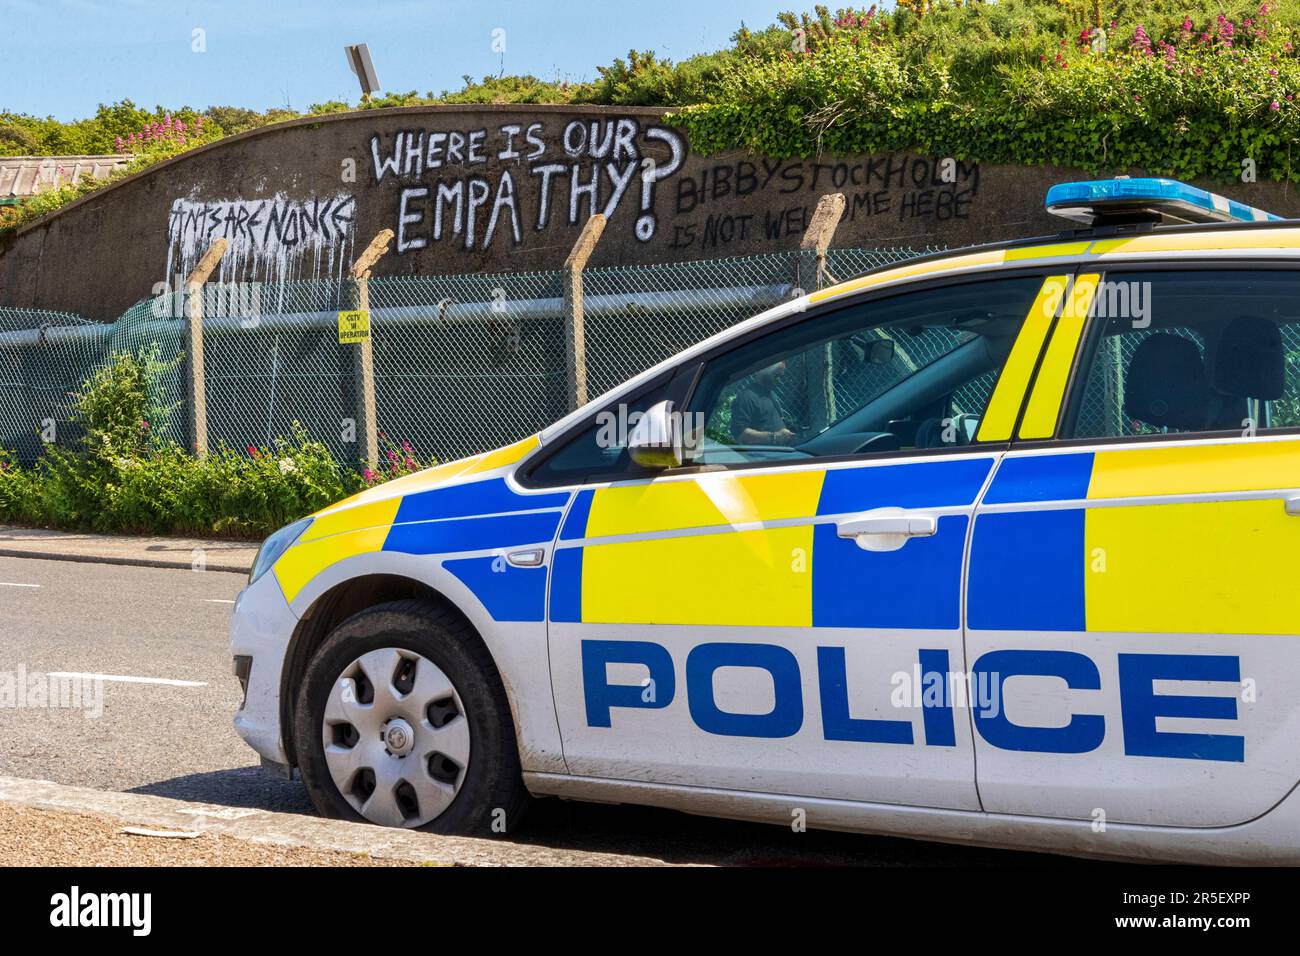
x=1133 y=605
x=783 y=614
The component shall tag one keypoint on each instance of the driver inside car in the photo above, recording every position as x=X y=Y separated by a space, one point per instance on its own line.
x=756 y=414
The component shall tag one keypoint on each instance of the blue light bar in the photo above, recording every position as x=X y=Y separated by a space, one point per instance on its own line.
x=1112 y=201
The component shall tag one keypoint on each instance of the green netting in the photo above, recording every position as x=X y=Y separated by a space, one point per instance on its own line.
x=272 y=358
x=463 y=363
x=46 y=356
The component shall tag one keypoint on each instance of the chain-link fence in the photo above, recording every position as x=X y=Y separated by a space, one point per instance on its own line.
x=462 y=363
x=45 y=357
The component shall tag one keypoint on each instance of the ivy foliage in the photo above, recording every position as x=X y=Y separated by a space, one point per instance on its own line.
x=1183 y=95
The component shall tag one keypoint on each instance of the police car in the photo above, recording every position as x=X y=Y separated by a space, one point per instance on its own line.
x=993 y=547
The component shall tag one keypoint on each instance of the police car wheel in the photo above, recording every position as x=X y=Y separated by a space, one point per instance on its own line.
x=402 y=721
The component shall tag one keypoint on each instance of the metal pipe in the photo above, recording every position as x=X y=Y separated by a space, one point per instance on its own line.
x=676 y=302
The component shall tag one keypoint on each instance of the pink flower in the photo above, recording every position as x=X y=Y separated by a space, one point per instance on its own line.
x=1141 y=41
x=368 y=475
x=1275 y=105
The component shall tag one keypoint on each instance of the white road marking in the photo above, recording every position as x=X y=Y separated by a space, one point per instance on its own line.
x=218 y=600
x=130 y=680
x=14 y=584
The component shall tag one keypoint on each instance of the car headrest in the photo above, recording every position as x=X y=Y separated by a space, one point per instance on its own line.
x=1166 y=385
x=1250 y=361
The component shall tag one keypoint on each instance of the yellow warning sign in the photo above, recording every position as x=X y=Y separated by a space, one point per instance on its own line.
x=354 y=327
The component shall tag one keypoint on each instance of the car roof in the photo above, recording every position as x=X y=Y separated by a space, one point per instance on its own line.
x=1108 y=244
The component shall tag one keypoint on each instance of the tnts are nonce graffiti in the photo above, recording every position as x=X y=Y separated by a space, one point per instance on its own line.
x=276 y=239
x=593 y=167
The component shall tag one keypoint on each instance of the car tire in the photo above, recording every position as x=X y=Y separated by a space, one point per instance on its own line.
x=439 y=648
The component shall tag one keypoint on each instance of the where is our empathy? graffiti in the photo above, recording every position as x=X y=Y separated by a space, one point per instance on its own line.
x=594 y=166
x=598 y=165
x=482 y=188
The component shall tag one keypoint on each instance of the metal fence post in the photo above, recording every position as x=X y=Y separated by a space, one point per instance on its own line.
x=194 y=377
x=813 y=275
x=575 y=342
x=363 y=359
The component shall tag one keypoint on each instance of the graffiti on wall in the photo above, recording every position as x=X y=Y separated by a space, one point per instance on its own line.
x=482 y=186
x=888 y=196
x=492 y=190
x=277 y=239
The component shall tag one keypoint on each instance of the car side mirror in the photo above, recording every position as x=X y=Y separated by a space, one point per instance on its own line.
x=656 y=439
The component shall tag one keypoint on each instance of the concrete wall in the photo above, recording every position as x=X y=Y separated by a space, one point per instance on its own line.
x=474 y=189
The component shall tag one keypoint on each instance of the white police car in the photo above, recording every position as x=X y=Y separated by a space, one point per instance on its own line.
x=994 y=546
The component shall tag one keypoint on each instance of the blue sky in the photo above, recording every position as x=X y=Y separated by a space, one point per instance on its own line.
x=63 y=57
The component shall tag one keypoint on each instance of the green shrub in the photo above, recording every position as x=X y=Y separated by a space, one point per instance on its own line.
x=16 y=493
x=1191 y=97
x=125 y=477
x=120 y=407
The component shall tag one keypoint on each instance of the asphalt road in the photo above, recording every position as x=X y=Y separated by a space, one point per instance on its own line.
x=172 y=737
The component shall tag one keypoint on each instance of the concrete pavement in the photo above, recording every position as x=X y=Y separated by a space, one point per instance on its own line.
x=291 y=830
x=129 y=549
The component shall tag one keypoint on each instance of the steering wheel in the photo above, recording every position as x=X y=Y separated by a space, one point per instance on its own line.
x=880 y=441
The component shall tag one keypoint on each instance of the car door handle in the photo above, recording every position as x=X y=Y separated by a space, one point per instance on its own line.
x=532 y=558
x=887 y=530
x=1293 y=506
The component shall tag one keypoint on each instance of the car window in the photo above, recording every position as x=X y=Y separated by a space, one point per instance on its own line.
x=912 y=371
x=1175 y=352
x=599 y=451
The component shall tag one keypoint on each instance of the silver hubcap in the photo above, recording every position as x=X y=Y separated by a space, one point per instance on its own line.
x=396 y=738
